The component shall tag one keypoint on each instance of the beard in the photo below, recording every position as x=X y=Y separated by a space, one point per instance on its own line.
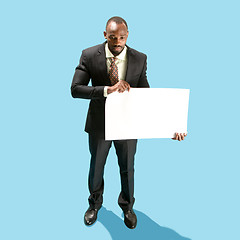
x=116 y=50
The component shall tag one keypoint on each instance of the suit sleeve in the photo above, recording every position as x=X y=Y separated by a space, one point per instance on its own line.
x=81 y=78
x=143 y=82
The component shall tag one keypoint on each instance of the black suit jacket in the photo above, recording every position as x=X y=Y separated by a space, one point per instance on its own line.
x=93 y=66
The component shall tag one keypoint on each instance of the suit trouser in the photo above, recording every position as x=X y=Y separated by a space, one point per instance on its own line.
x=125 y=150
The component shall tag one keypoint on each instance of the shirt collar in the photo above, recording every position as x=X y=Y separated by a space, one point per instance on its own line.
x=121 y=56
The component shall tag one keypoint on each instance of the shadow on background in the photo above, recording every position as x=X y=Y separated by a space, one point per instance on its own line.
x=146 y=227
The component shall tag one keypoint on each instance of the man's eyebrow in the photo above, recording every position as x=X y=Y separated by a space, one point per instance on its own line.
x=113 y=35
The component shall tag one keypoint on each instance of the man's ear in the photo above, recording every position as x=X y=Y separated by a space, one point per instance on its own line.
x=105 y=34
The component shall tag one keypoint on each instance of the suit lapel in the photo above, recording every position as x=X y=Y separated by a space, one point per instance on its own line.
x=102 y=65
x=130 y=64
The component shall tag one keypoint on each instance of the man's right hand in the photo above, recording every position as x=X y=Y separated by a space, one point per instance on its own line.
x=120 y=86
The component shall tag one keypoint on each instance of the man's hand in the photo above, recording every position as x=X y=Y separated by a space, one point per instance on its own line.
x=120 y=86
x=179 y=136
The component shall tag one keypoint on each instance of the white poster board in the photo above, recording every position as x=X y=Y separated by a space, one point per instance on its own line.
x=146 y=113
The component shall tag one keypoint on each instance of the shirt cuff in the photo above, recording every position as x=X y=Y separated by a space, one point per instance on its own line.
x=105 y=91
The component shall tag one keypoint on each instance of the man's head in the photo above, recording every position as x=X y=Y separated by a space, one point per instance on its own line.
x=116 y=34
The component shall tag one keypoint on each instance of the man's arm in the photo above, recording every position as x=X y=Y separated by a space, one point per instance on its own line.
x=81 y=78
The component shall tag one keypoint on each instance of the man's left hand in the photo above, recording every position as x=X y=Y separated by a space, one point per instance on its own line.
x=179 y=136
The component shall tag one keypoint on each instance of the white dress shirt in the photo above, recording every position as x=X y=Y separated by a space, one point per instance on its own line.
x=121 y=62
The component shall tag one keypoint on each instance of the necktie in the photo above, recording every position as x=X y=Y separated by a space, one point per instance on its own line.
x=113 y=72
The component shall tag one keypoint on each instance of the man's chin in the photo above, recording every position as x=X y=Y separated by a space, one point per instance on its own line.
x=117 y=51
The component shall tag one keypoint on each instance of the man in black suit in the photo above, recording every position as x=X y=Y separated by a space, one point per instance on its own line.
x=111 y=66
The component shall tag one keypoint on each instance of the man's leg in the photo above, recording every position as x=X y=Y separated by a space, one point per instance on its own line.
x=99 y=149
x=126 y=150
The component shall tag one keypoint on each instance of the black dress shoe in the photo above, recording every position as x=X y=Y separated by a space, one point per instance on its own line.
x=130 y=219
x=90 y=216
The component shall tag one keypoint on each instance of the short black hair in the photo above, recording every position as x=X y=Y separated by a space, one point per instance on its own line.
x=117 y=20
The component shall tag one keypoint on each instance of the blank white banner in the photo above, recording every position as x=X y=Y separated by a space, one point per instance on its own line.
x=146 y=113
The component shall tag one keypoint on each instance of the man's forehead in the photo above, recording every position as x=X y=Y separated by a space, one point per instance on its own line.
x=113 y=27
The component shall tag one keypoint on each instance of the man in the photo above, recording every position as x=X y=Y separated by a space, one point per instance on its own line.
x=111 y=66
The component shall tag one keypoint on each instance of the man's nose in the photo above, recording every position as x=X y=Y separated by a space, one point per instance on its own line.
x=118 y=41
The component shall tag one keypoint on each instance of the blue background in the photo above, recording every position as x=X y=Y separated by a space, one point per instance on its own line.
x=183 y=190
